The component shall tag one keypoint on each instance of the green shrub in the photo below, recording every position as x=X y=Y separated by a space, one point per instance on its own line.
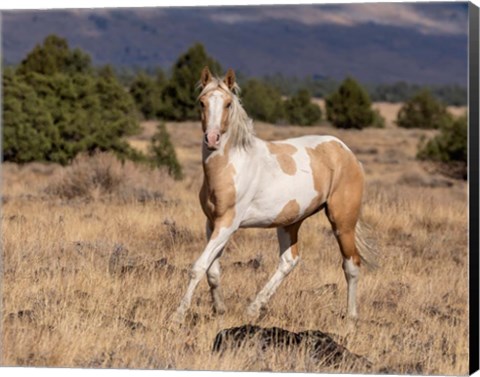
x=28 y=128
x=300 y=110
x=450 y=146
x=350 y=106
x=54 y=56
x=179 y=98
x=146 y=91
x=423 y=111
x=116 y=105
x=378 y=120
x=54 y=111
x=262 y=101
x=163 y=153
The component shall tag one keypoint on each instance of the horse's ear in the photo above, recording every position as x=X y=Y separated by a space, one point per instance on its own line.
x=229 y=79
x=206 y=76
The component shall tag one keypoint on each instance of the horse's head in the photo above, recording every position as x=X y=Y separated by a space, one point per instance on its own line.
x=216 y=102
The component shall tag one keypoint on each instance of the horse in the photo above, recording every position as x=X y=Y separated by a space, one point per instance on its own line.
x=249 y=182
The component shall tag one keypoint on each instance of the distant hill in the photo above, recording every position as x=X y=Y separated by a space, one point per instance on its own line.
x=431 y=48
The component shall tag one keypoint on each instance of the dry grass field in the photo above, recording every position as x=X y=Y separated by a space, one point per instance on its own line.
x=96 y=258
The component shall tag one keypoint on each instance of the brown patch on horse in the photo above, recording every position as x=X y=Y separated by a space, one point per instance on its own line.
x=288 y=214
x=283 y=152
x=348 y=247
x=218 y=193
x=294 y=250
x=324 y=161
x=345 y=189
x=292 y=231
x=207 y=205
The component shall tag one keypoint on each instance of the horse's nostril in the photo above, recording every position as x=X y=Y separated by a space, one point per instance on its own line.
x=206 y=138
x=218 y=137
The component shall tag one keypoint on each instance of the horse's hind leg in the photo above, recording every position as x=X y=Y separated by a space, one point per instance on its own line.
x=213 y=278
x=343 y=211
x=287 y=239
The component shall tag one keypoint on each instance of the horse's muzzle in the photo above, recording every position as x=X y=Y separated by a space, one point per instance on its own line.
x=212 y=140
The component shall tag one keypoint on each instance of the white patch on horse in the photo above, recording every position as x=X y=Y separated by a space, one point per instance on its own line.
x=352 y=272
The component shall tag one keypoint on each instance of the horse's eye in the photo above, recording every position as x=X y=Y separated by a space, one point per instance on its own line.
x=202 y=105
x=228 y=105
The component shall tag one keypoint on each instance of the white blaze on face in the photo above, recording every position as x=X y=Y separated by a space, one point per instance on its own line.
x=216 y=107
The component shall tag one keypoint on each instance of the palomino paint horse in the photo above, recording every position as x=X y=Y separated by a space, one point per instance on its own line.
x=250 y=182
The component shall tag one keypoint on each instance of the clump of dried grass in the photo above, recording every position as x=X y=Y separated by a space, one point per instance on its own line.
x=103 y=176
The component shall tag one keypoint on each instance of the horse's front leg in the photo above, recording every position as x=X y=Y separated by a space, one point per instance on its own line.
x=211 y=252
x=213 y=278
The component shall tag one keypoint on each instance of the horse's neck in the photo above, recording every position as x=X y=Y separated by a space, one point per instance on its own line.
x=215 y=161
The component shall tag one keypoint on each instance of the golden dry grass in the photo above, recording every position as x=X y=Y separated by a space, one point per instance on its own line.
x=70 y=300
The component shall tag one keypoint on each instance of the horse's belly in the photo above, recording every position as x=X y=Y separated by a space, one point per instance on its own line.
x=284 y=203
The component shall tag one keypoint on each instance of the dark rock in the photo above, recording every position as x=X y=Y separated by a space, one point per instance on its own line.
x=412 y=368
x=254 y=263
x=26 y=315
x=175 y=234
x=321 y=346
x=118 y=263
x=435 y=312
x=162 y=265
x=389 y=305
x=19 y=218
x=161 y=262
x=327 y=289
x=132 y=325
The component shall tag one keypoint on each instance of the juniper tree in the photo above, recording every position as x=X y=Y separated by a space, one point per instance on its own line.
x=350 y=106
x=180 y=94
x=300 y=110
x=423 y=111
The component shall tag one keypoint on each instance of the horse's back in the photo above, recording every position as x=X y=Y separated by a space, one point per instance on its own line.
x=332 y=154
x=322 y=155
x=313 y=141
x=297 y=178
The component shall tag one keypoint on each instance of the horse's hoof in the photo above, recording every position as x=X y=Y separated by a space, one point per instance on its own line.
x=253 y=312
x=177 y=318
x=220 y=310
x=352 y=316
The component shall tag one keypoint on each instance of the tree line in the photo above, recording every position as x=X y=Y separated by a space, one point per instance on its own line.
x=57 y=105
x=400 y=91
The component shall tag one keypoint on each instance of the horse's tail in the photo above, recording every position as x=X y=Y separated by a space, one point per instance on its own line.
x=366 y=245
